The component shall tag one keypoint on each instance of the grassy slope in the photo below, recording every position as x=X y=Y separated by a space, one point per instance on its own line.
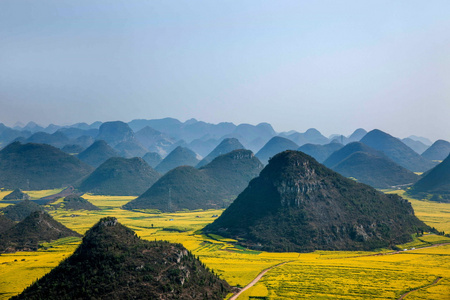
x=327 y=273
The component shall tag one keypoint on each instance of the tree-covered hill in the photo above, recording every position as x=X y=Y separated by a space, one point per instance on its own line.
x=112 y=262
x=38 y=167
x=297 y=204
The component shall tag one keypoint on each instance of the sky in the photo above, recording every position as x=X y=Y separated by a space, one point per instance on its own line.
x=332 y=65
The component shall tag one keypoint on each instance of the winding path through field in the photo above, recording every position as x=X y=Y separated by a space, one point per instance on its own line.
x=433 y=283
x=260 y=275
x=254 y=281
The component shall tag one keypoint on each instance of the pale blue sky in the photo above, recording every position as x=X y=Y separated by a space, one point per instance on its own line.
x=332 y=65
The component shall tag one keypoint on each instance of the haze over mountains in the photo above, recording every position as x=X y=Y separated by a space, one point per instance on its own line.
x=168 y=143
x=138 y=137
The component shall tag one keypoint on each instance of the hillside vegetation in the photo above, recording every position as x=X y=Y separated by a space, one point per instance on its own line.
x=212 y=186
x=27 y=234
x=120 y=176
x=297 y=204
x=38 y=167
x=112 y=262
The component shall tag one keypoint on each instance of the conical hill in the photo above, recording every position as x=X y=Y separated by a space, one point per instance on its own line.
x=376 y=171
x=435 y=183
x=75 y=202
x=274 y=146
x=97 y=153
x=341 y=154
x=233 y=171
x=396 y=150
x=226 y=146
x=297 y=204
x=180 y=156
x=17 y=194
x=120 y=177
x=212 y=186
x=27 y=234
x=38 y=167
x=438 y=151
x=21 y=210
x=113 y=263
x=184 y=187
x=369 y=166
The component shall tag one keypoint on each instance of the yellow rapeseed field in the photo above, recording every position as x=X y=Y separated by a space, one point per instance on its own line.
x=317 y=275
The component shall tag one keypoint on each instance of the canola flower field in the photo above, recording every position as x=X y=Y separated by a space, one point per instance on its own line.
x=383 y=274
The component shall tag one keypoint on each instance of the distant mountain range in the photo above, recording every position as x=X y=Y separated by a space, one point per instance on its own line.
x=162 y=136
x=169 y=143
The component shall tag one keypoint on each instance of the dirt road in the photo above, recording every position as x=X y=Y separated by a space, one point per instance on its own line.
x=254 y=281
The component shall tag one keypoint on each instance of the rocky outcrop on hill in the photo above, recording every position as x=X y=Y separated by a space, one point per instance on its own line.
x=297 y=204
x=112 y=262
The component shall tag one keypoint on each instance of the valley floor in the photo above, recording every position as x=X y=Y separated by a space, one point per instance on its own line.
x=318 y=275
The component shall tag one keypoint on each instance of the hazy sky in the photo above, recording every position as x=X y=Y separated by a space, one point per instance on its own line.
x=332 y=65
